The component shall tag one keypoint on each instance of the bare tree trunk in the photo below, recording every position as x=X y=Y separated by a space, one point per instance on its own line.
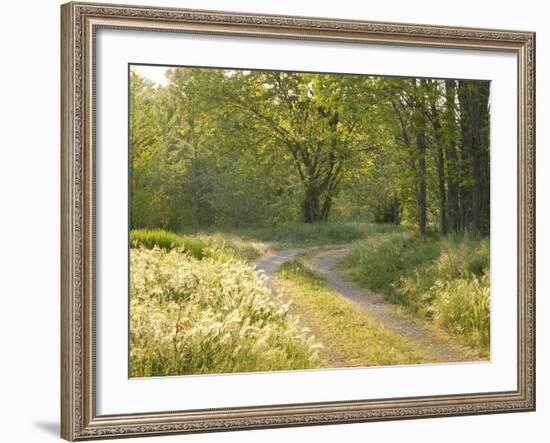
x=440 y=166
x=194 y=170
x=453 y=205
x=322 y=180
x=421 y=148
x=442 y=192
x=421 y=186
x=312 y=204
x=395 y=217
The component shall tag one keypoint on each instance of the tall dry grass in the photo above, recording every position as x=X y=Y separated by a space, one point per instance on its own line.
x=215 y=315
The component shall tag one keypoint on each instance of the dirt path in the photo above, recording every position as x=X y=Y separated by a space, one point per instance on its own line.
x=325 y=260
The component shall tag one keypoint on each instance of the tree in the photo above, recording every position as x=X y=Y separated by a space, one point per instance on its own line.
x=473 y=98
x=144 y=145
x=307 y=117
x=218 y=147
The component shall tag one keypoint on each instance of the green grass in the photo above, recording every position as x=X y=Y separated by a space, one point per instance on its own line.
x=350 y=336
x=444 y=280
x=308 y=234
x=190 y=316
x=246 y=249
x=149 y=238
x=199 y=245
x=250 y=243
x=441 y=279
x=379 y=261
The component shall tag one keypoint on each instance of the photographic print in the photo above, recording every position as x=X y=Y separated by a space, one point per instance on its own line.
x=298 y=220
x=273 y=221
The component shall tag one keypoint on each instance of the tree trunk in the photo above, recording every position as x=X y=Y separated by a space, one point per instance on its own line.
x=440 y=166
x=442 y=191
x=453 y=206
x=194 y=169
x=421 y=148
x=421 y=185
x=395 y=217
x=312 y=204
x=327 y=206
x=474 y=123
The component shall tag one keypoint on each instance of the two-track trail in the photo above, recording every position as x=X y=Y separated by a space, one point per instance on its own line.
x=325 y=260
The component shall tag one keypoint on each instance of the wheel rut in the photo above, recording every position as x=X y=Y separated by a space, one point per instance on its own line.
x=325 y=262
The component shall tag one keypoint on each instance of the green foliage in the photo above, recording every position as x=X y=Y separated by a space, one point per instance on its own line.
x=463 y=306
x=209 y=316
x=232 y=245
x=238 y=148
x=445 y=280
x=199 y=245
x=379 y=261
x=149 y=238
x=302 y=234
x=235 y=159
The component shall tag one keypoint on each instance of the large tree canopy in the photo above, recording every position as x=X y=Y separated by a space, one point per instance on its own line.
x=239 y=148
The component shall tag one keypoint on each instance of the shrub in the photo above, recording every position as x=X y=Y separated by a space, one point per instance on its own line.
x=149 y=238
x=379 y=261
x=463 y=305
x=212 y=316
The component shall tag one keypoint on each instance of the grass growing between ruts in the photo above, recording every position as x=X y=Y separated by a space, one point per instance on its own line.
x=350 y=336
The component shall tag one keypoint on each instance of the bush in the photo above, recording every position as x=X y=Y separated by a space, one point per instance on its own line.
x=212 y=316
x=149 y=238
x=379 y=261
x=460 y=257
x=463 y=306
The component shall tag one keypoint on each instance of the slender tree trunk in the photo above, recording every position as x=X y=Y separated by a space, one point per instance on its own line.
x=395 y=218
x=440 y=166
x=442 y=191
x=327 y=206
x=194 y=170
x=453 y=206
x=421 y=186
x=421 y=154
x=485 y=175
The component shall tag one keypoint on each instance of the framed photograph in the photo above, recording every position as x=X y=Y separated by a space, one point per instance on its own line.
x=277 y=221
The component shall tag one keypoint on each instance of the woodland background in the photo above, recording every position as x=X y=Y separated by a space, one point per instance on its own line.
x=246 y=148
x=231 y=168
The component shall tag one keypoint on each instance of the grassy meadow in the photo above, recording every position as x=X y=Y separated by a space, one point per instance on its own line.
x=198 y=305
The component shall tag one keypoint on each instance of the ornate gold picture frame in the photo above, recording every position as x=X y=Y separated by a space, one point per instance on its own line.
x=80 y=23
